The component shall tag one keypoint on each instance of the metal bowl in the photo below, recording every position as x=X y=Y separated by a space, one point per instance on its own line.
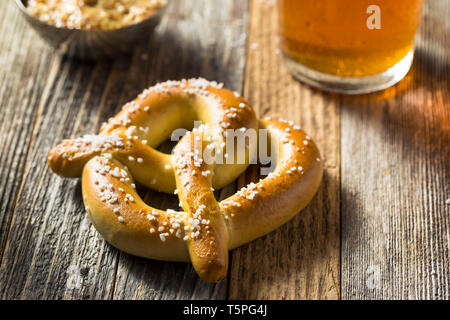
x=92 y=44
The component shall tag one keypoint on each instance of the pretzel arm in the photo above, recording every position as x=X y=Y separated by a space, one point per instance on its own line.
x=259 y=208
x=68 y=159
x=124 y=220
x=208 y=238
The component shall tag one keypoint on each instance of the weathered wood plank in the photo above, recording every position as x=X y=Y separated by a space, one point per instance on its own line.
x=23 y=61
x=51 y=245
x=196 y=38
x=395 y=178
x=300 y=260
x=50 y=239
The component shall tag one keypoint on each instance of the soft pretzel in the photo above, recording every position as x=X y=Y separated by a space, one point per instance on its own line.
x=205 y=230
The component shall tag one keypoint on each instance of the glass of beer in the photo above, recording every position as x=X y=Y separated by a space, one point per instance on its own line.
x=348 y=46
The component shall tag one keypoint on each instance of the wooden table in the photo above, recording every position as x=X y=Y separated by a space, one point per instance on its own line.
x=378 y=227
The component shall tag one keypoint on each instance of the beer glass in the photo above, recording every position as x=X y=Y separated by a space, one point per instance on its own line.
x=348 y=46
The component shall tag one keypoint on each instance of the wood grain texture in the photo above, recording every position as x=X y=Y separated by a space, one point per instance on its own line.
x=396 y=173
x=49 y=239
x=20 y=94
x=49 y=231
x=300 y=260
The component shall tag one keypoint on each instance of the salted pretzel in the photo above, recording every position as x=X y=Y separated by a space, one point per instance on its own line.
x=124 y=152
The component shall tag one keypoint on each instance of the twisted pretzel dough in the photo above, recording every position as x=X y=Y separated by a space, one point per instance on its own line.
x=206 y=230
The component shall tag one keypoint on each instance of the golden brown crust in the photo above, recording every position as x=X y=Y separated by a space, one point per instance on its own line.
x=261 y=207
x=208 y=244
x=205 y=230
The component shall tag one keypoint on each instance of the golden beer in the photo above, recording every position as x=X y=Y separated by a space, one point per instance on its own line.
x=348 y=38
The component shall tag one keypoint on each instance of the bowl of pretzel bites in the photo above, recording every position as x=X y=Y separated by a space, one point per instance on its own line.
x=124 y=154
x=93 y=29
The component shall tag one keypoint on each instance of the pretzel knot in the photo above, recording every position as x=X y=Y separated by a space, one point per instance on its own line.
x=124 y=152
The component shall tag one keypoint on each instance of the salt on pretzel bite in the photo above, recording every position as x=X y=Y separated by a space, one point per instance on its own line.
x=206 y=229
